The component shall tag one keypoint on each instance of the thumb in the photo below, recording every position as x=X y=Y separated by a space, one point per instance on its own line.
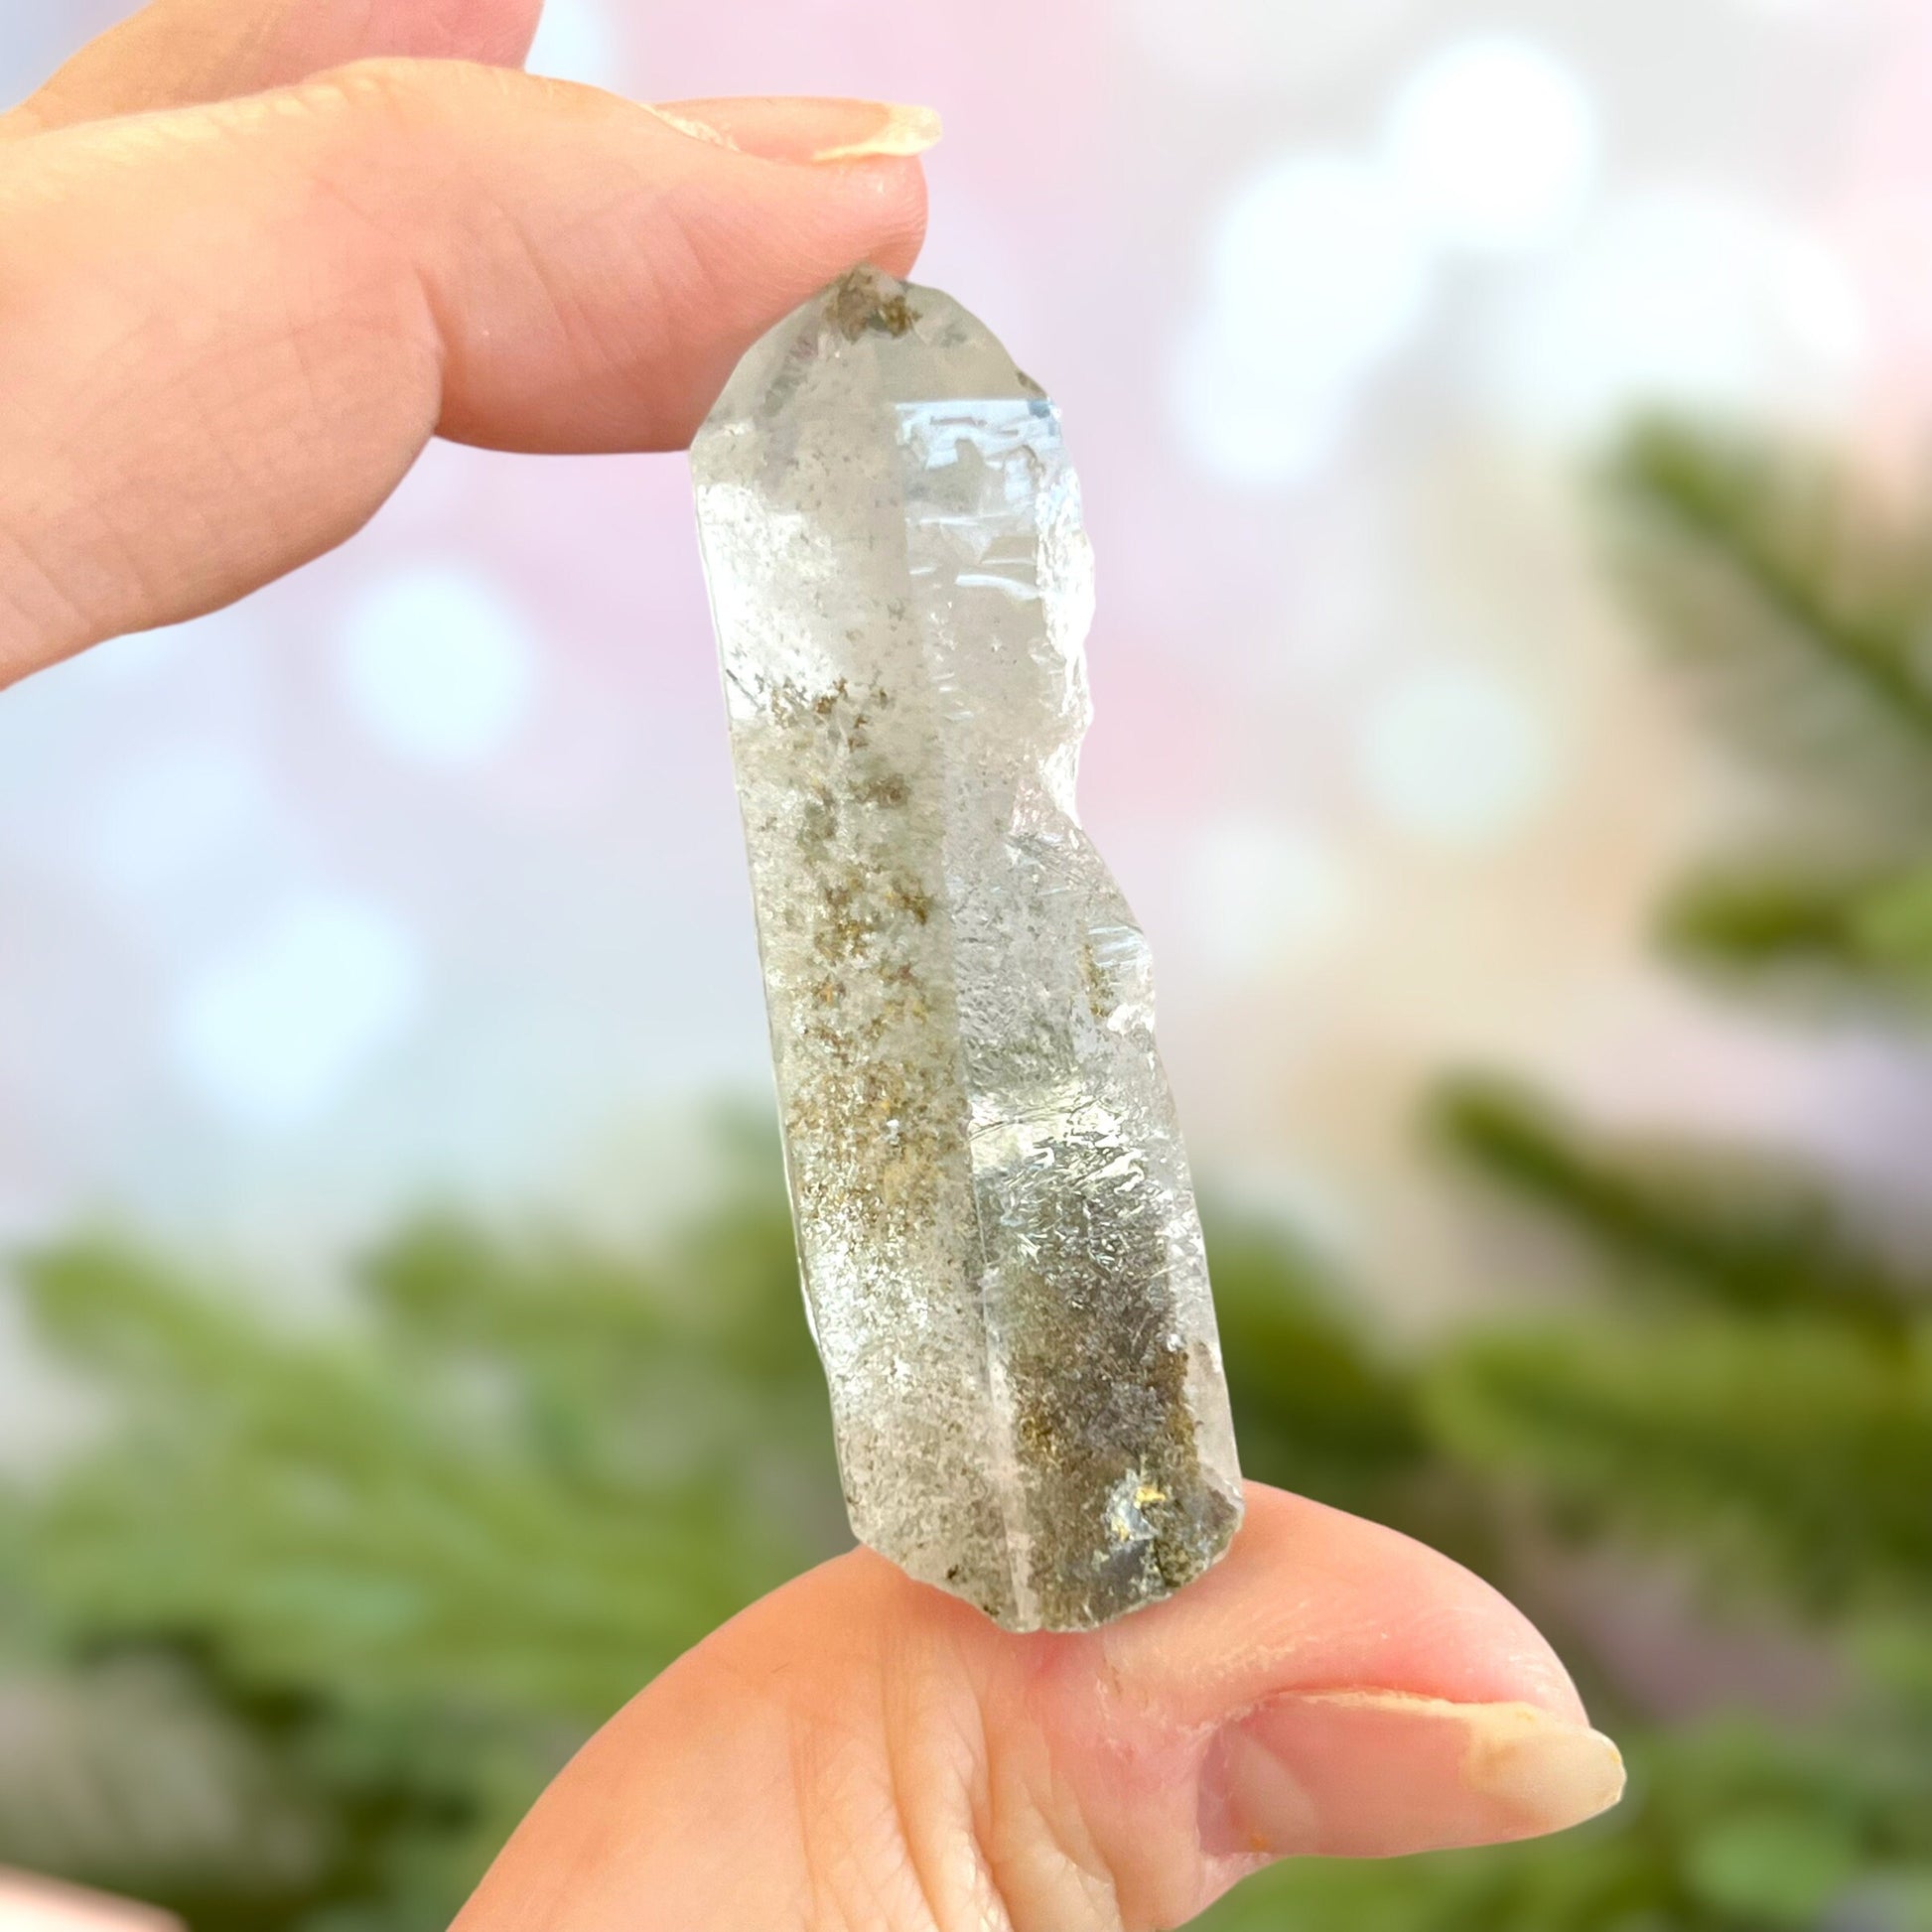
x=859 y=1749
x=226 y=330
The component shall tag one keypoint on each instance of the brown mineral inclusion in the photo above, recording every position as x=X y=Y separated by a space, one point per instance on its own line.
x=1001 y=1255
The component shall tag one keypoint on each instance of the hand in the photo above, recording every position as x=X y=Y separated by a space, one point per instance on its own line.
x=241 y=284
x=255 y=253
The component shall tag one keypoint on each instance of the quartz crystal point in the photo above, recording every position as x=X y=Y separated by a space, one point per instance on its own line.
x=1001 y=1254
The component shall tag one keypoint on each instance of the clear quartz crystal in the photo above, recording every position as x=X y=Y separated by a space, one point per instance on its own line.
x=1001 y=1259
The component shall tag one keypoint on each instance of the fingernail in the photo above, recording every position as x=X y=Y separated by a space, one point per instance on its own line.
x=799 y=128
x=1374 y=1773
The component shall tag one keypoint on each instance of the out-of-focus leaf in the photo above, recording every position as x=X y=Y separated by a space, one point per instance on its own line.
x=1847 y=931
x=1773 y=1867
x=1737 y=1228
x=1317 y=1407
x=1789 y=1456
x=1803 y=605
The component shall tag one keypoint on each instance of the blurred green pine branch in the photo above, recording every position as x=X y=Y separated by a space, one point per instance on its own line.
x=1788 y=587
x=1747 y=1389
x=291 y=1644
x=1731 y=1230
x=369 y=1582
x=1860 y=926
x=1320 y=1411
x=363 y=1586
x=1804 y=607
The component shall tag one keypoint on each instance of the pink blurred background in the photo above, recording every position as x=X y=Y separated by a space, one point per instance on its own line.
x=419 y=875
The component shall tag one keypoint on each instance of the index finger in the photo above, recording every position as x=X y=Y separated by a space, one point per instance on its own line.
x=226 y=332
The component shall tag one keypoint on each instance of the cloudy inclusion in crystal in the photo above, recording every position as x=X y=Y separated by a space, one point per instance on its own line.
x=1001 y=1255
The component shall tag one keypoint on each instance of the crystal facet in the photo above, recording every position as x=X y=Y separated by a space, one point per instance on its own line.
x=1001 y=1254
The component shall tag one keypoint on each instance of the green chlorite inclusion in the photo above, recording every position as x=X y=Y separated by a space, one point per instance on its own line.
x=1001 y=1259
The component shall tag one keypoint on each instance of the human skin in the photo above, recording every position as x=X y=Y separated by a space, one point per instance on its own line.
x=253 y=255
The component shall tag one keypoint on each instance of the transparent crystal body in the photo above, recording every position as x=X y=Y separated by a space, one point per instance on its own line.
x=1001 y=1255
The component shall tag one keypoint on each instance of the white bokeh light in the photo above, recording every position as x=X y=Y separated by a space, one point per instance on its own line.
x=1493 y=142
x=1263 y=46
x=272 y=1033
x=1454 y=755
x=1315 y=274
x=1687 y=297
x=1316 y=259
x=576 y=42
x=437 y=665
x=1268 y=896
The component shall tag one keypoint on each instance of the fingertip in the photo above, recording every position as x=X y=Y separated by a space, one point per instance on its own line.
x=806 y=129
x=1330 y=1686
x=648 y=258
x=1313 y=1599
x=906 y=204
x=1374 y=1775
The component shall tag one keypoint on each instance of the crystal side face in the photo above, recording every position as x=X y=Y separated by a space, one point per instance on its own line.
x=1001 y=1255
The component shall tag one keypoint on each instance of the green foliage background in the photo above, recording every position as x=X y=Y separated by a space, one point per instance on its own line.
x=295 y=1636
